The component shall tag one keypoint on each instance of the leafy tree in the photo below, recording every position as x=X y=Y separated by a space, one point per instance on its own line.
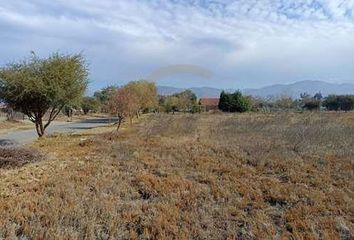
x=225 y=102
x=171 y=104
x=183 y=101
x=146 y=93
x=124 y=103
x=103 y=97
x=129 y=100
x=339 y=102
x=186 y=100
x=346 y=103
x=239 y=103
x=234 y=102
x=38 y=86
x=104 y=94
x=89 y=104
x=331 y=103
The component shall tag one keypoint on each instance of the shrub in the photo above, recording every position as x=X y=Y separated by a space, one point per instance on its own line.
x=16 y=156
x=312 y=105
x=339 y=103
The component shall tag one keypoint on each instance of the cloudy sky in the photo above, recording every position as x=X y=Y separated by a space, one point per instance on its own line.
x=243 y=43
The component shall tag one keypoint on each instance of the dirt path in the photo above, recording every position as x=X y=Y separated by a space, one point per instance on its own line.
x=27 y=136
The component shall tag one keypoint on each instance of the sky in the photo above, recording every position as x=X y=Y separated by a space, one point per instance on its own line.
x=188 y=43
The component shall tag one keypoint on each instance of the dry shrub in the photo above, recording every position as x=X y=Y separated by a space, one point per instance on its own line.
x=168 y=125
x=11 y=157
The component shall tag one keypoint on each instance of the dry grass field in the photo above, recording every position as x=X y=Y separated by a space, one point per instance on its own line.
x=202 y=176
x=6 y=126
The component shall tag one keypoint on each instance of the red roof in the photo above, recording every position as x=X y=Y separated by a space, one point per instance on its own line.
x=209 y=101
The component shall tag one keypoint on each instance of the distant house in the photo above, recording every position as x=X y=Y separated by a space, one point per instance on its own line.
x=209 y=104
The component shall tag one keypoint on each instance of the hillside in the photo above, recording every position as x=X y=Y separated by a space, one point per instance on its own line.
x=295 y=89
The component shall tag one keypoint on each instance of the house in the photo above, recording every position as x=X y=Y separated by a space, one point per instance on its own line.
x=209 y=104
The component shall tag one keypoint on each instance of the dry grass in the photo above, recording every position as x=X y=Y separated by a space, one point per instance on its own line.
x=6 y=126
x=249 y=176
x=11 y=157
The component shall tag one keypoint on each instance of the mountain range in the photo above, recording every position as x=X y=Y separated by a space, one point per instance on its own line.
x=292 y=90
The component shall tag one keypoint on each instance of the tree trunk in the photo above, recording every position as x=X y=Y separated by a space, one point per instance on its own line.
x=39 y=127
x=10 y=114
x=119 y=122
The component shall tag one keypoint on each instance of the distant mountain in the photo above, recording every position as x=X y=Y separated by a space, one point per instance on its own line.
x=292 y=90
x=165 y=90
x=295 y=89
x=199 y=91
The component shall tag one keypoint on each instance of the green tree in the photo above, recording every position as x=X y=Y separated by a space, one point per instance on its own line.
x=104 y=94
x=339 y=102
x=234 y=102
x=103 y=97
x=89 y=104
x=225 y=102
x=171 y=104
x=38 y=86
x=186 y=100
x=331 y=103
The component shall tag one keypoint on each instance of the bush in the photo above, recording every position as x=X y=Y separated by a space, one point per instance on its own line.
x=312 y=105
x=339 y=103
x=11 y=157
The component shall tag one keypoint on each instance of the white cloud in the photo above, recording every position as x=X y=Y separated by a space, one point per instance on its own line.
x=245 y=40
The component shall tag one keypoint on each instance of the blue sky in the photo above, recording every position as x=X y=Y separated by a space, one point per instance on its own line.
x=243 y=43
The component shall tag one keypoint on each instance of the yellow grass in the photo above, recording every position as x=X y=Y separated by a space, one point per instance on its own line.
x=203 y=176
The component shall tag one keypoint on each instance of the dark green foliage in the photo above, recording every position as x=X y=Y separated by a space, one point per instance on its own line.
x=234 y=102
x=339 y=103
x=224 y=103
x=37 y=86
